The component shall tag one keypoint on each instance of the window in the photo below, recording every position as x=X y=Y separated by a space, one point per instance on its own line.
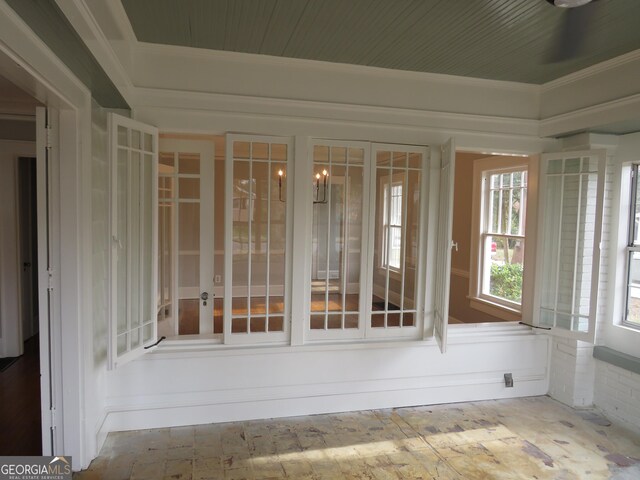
x=503 y=236
x=501 y=222
x=134 y=159
x=572 y=191
x=632 y=305
x=392 y=224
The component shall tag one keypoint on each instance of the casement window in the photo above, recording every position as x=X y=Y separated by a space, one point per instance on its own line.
x=499 y=230
x=367 y=239
x=133 y=150
x=632 y=254
x=570 y=228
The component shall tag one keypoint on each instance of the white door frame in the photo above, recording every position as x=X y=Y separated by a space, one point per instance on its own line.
x=27 y=61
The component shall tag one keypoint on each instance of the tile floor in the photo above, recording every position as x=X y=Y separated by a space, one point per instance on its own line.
x=533 y=438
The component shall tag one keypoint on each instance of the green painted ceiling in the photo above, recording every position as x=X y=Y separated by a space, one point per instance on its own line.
x=496 y=39
x=46 y=19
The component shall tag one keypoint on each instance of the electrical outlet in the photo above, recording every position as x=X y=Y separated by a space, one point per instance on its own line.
x=508 y=380
x=217 y=279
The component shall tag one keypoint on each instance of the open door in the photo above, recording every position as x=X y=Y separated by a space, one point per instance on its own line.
x=570 y=228
x=444 y=244
x=134 y=219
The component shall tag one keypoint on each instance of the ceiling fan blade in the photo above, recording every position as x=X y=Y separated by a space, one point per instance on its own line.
x=572 y=36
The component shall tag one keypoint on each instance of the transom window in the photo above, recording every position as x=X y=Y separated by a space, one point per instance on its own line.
x=632 y=307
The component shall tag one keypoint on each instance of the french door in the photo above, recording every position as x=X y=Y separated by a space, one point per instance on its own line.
x=186 y=294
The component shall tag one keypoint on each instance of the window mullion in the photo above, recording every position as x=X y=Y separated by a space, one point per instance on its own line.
x=557 y=284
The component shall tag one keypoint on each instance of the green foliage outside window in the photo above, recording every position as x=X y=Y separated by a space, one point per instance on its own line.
x=506 y=281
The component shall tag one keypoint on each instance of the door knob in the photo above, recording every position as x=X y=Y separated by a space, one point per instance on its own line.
x=204 y=296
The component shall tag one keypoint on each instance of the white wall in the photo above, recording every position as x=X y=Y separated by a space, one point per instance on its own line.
x=11 y=341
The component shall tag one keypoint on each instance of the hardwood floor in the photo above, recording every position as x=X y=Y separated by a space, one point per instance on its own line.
x=20 y=421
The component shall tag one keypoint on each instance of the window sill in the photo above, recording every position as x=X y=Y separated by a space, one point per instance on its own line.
x=495 y=309
x=619 y=359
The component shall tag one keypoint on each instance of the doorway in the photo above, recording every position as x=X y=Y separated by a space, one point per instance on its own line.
x=20 y=393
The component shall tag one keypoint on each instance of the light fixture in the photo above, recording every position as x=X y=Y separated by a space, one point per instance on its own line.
x=569 y=3
x=316 y=198
x=280 y=173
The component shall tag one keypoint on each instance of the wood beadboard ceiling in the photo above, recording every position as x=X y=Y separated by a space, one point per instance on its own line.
x=493 y=39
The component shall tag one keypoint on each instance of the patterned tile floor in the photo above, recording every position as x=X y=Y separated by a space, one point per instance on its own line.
x=532 y=438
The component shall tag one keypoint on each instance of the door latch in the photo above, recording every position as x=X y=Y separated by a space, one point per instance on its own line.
x=204 y=296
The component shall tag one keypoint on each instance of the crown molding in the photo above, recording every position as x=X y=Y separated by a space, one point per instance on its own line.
x=181 y=99
x=588 y=117
x=630 y=57
x=143 y=48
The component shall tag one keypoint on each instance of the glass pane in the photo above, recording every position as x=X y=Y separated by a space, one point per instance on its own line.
x=218 y=309
x=240 y=306
x=241 y=150
x=633 y=289
x=148 y=142
x=505 y=263
x=134 y=239
x=554 y=166
x=189 y=228
x=277 y=242
x=258 y=324
x=189 y=163
x=377 y=320
x=279 y=152
x=351 y=321
x=189 y=316
x=219 y=225
x=334 y=322
x=317 y=322
x=239 y=325
x=122 y=201
x=147 y=332
x=572 y=165
x=321 y=154
x=165 y=187
x=380 y=239
x=415 y=160
x=165 y=159
x=356 y=155
x=135 y=139
x=408 y=319
x=259 y=229
x=122 y=343
x=189 y=188
x=242 y=191
x=148 y=301
x=335 y=227
x=383 y=159
x=276 y=324
x=393 y=319
x=338 y=155
x=260 y=151
x=550 y=251
x=412 y=242
x=318 y=300
x=399 y=160
x=123 y=136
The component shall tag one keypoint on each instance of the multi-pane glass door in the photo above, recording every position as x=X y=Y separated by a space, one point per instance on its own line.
x=186 y=296
x=395 y=257
x=257 y=238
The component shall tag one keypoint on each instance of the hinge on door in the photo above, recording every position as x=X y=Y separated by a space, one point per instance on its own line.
x=52 y=411
x=49 y=279
x=48 y=135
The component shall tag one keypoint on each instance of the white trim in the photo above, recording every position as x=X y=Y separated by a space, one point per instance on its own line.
x=626 y=58
x=199 y=54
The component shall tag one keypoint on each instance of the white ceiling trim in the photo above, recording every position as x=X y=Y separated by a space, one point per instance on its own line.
x=592 y=116
x=593 y=70
x=197 y=101
x=143 y=48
